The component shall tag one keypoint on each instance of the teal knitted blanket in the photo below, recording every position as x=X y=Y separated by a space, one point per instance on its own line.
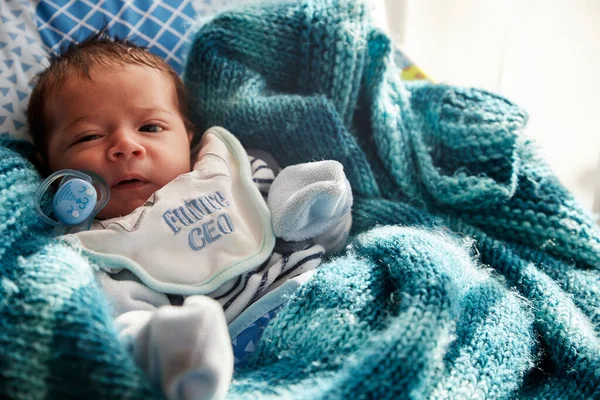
x=471 y=272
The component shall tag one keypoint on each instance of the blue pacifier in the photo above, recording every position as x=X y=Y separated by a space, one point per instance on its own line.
x=76 y=200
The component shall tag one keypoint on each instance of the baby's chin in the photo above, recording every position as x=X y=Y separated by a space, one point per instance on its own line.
x=119 y=209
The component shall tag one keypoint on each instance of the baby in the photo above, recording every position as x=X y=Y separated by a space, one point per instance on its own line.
x=187 y=240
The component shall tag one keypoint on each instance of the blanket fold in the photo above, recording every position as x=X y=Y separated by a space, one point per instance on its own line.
x=471 y=272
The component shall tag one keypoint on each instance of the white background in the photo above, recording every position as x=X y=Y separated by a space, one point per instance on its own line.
x=543 y=55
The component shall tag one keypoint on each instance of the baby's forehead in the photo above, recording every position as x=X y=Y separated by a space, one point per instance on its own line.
x=72 y=73
x=131 y=88
x=73 y=80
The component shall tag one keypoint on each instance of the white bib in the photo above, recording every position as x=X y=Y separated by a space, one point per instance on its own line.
x=197 y=232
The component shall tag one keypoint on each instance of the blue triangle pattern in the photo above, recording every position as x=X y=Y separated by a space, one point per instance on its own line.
x=250 y=347
x=30 y=40
x=9 y=63
x=2 y=118
x=21 y=95
x=189 y=10
x=26 y=67
x=17 y=50
x=13 y=78
x=4 y=90
x=21 y=26
x=5 y=19
x=38 y=58
x=18 y=124
x=13 y=35
x=245 y=342
x=9 y=107
x=2 y=44
x=17 y=13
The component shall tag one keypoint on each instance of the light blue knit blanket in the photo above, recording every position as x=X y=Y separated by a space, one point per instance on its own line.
x=471 y=274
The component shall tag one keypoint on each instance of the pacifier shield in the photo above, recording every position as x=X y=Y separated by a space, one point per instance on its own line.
x=74 y=201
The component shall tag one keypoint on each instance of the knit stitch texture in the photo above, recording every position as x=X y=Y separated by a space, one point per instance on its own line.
x=471 y=272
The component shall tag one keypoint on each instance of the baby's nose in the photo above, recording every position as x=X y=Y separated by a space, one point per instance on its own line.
x=126 y=146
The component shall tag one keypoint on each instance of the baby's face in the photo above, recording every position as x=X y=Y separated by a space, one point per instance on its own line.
x=125 y=126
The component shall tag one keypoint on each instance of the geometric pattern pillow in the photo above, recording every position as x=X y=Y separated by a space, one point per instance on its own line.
x=21 y=58
x=162 y=26
x=159 y=25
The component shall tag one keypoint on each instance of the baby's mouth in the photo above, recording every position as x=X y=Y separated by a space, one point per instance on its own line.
x=129 y=183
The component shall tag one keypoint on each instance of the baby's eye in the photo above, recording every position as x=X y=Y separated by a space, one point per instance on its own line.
x=87 y=138
x=151 y=128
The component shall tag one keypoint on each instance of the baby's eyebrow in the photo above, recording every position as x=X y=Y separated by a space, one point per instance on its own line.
x=73 y=123
x=154 y=109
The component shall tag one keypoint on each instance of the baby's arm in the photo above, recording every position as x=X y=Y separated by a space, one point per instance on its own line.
x=307 y=201
x=185 y=349
x=264 y=169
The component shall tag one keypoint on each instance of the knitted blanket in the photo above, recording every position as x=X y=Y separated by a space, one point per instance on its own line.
x=471 y=272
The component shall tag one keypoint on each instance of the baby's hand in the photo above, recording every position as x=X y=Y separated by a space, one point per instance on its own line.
x=308 y=199
x=186 y=350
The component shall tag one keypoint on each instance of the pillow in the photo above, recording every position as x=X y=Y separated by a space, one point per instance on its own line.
x=159 y=25
x=22 y=56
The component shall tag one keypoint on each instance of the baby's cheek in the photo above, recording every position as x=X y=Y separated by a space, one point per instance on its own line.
x=172 y=171
x=71 y=161
x=86 y=164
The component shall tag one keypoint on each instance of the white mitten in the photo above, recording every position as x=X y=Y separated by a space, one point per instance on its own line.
x=185 y=350
x=308 y=199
